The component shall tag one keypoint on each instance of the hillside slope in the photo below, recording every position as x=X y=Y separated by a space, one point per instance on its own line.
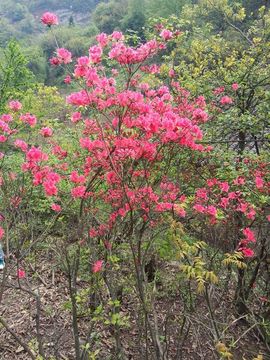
x=19 y=19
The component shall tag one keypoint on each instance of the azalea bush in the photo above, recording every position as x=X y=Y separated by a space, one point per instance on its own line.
x=119 y=181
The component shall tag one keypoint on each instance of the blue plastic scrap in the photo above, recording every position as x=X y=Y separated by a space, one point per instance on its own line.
x=2 y=258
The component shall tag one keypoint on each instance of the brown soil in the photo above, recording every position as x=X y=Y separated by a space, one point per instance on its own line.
x=18 y=309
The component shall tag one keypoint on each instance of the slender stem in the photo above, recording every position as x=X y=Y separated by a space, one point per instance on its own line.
x=208 y=301
x=39 y=336
x=72 y=276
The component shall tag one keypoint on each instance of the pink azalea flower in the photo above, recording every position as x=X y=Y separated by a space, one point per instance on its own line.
x=226 y=100
x=46 y=132
x=166 y=34
x=239 y=181
x=56 y=207
x=249 y=235
x=199 y=208
x=15 y=105
x=64 y=56
x=199 y=115
x=179 y=210
x=50 y=188
x=80 y=98
x=235 y=87
x=78 y=192
x=251 y=214
x=2 y=232
x=59 y=152
x=76 y=116
x=67 y=79
x=21 y=274
x=97 y=266
x=21 y=145
x=102 y=39
x=171 y=73
x=54 y=61
x=29 y=119
x=95 y=53
x=35 y=155
x=219 y=90
x=117 y=35
x=76 y=178
x=259 y=182
x=6 y=118
x=211 y=210
x=247 y=252
x=49 y=19
x=224 y=186
x=93 y=232
x=4 y=127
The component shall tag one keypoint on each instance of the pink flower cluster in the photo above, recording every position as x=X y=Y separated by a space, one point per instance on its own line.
x=46 y=132
x=29 y=119
x=35 y=155
x=128 y=55
x=56 y=207
x=63 y=56
x=49 y=19
x=21 y=274
x=166 y=34
x=249 y=237
x=14 y=105
x=97 y=266
x=235 y=86
x=95 y=54
x=226 y=100
x=21 y=144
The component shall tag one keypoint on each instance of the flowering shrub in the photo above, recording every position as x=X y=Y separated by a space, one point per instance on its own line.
x=223 y=201
x=119 y=174
x=128 y=133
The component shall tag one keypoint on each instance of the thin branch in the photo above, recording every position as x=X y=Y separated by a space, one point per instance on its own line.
x=240 y=31
x=18 y=339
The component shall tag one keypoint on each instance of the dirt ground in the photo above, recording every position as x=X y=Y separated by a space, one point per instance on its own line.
x=18 y=309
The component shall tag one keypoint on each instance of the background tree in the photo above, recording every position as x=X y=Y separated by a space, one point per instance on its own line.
x=135 y=18
x=206 y=58
x=165 y=8
x=15 y=77
x=108 y=16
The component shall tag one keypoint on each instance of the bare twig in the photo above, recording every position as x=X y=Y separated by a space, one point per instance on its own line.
x=18 y=339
